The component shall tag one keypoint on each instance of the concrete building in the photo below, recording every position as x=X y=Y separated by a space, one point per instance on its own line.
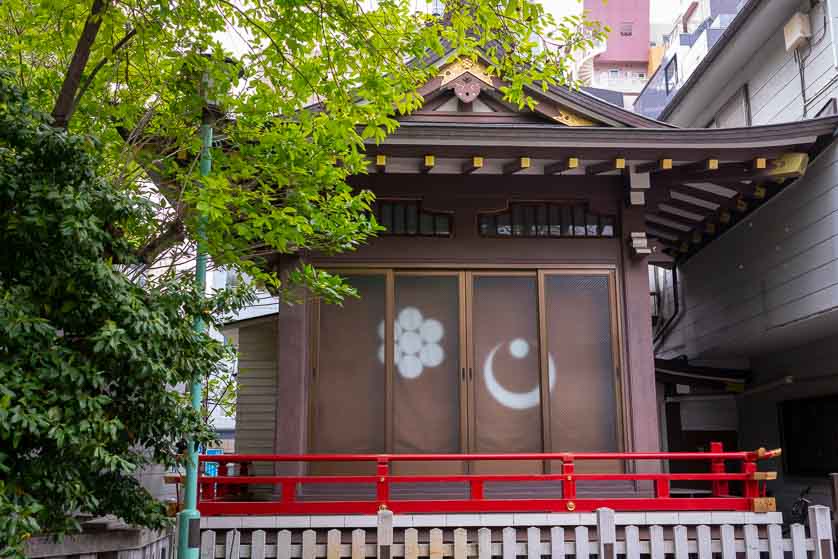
x=757 y=287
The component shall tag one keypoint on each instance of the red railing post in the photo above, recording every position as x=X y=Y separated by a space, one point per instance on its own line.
x=662 y=488
x=287 y=491
x=717 y=466
x=750 y=486
x=476 y=489
x=383 y=483
x=568 y=478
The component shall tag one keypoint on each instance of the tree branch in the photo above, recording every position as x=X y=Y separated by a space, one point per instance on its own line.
x=86 y=85
x=174 y=233
x=64 y=104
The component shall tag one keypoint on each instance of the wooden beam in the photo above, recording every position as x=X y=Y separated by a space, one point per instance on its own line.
x=687 y=207
x=726 y=173
x=699 y=166
x=381 y=163
x=660 y=165
x=692 y=192
x=666 y=228
x=428 y=163
x=683 y=221
x=617 y=164
x=473 y=165
x=561 y=166
x=518 y=165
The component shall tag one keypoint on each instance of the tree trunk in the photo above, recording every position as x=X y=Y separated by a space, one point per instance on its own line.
x=63 y=109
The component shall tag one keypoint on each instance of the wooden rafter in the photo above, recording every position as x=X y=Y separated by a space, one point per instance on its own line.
x=617 y=164
x=561 y=166
x=651 y=166
x=473 y=165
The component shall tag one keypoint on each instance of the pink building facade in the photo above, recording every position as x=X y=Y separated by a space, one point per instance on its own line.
x=623 y=65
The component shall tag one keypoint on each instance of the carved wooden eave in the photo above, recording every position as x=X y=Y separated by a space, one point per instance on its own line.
x=692 y=183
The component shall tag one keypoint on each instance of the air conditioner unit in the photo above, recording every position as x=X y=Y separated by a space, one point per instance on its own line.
x=797 y=31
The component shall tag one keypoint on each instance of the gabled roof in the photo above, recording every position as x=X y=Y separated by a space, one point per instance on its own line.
x=463 y=91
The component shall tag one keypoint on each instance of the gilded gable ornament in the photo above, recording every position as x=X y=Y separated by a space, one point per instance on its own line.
x=572 y=119
x=462 y=66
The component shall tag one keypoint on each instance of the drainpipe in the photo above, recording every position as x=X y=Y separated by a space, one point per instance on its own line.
x=663 y=331
x=189 y=519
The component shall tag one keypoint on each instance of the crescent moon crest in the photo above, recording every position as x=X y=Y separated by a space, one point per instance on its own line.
x=509 y=398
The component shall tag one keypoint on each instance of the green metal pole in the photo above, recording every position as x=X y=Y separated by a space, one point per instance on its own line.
x=189 y=519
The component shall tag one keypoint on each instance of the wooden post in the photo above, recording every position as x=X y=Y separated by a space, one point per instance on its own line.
x=283 y=544
x=384 y=540
x=606 y=533
x=208 y=544
x=820 y=530
x=257 y=545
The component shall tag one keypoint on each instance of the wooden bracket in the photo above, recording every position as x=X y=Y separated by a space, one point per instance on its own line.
x=765 y=476
x=473 y=165
x=518 y=165
x=764 y=504
x=660 y=165
x=617 y=164
x=381 y=163
x=561 y=166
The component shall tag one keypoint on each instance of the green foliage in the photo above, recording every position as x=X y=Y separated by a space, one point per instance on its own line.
x=298 y=87
x=88 y=359
x=275 y=188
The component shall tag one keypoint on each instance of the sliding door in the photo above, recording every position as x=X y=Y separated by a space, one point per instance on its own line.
x=580 y=336
x=427 y=407
x=478 y=361
x=504 y=368
x=349 y=393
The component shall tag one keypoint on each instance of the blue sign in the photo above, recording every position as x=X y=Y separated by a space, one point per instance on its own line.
x=211 y=468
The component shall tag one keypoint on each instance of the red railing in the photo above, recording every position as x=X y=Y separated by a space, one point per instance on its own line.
x=222 y=495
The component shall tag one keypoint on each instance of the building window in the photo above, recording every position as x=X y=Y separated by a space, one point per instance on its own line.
x=626 y=29
x=407 y=218
x=809 y=436
x=545 y=219
x=671 y=75
x=613 y=74
x=640 y=75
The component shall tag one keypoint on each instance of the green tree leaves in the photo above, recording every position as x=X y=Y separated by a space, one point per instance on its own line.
x=89 y=361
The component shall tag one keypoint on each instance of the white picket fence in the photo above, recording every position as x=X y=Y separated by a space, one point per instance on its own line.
x=607 y=539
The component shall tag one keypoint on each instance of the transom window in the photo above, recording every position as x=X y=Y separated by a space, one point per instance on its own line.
x=407 y=218
x=545 y=219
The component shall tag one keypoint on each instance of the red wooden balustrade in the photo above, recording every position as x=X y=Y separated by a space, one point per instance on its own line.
x=222 y=494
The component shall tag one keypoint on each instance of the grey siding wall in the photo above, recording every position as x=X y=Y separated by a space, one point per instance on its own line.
x=814 y=368
x=773 y=77
x=771 y=279
x=257 y=395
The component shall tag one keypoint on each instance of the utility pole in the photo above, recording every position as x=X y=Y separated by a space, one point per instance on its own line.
x=189 y=519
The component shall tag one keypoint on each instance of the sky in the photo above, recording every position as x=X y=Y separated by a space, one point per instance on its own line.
x=663 y=11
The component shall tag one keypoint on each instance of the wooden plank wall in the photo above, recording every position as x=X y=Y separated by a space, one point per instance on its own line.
x=748 y=291
x=607 y=541
x=257 y=396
